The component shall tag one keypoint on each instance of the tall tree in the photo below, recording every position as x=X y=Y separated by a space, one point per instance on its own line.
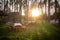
x=56 y=5
x=45 y=1
x=41 y=6
x=20 y=9
x=49 y=9
x=25 y=6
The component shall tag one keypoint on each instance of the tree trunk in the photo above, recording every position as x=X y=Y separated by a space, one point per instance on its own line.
x=26 y=11
x=20 y=10
x=4 y=6
x=48 y=10
x=55 y=9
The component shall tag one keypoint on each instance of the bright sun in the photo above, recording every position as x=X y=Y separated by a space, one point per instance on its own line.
x=35 y=12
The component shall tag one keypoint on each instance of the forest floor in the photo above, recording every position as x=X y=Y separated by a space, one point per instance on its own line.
x=39 y=31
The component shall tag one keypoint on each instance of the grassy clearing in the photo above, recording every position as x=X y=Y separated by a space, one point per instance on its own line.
x=40 y=31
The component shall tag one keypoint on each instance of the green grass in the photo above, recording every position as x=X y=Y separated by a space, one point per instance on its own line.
x=40 y=31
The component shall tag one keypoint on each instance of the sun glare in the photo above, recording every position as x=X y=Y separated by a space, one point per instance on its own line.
x=35 y=12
